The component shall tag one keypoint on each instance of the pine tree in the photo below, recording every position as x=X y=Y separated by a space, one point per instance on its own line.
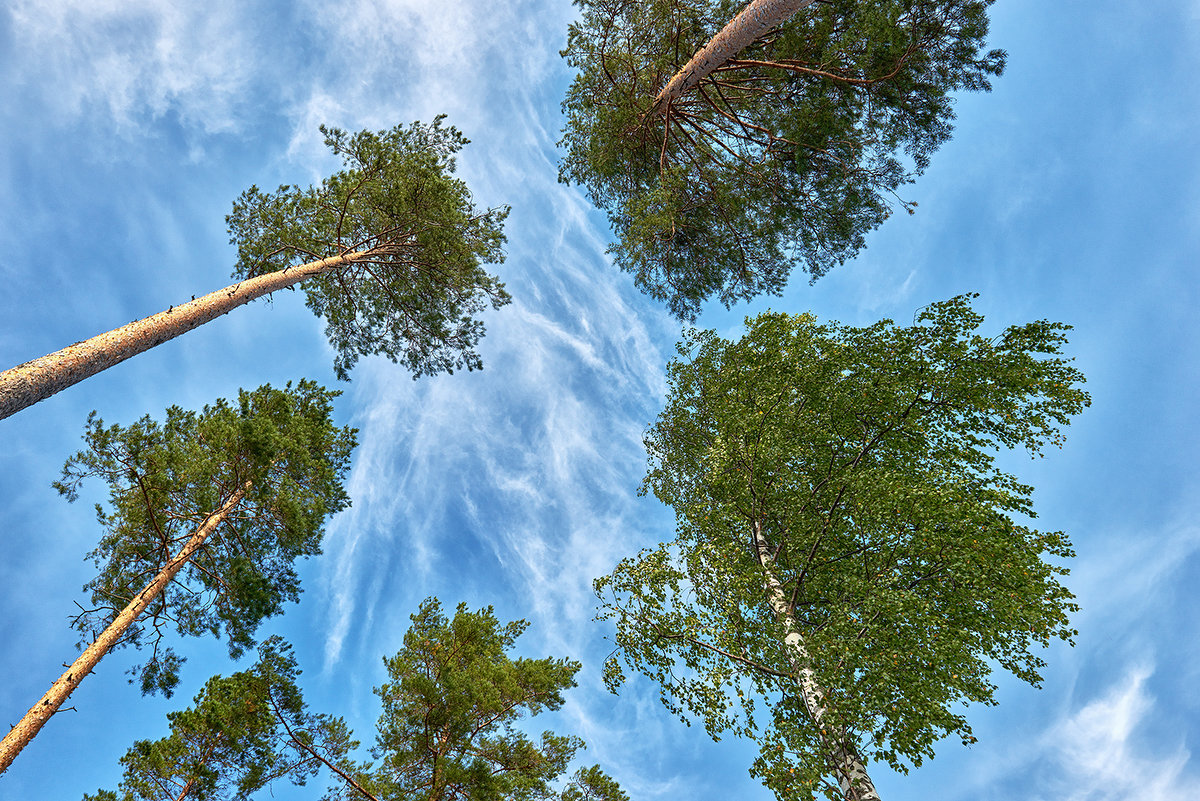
x=243 y=733
x=450 y=709
x=785 y=138
x=447 y=731
x=388 y=251
x=207 y=514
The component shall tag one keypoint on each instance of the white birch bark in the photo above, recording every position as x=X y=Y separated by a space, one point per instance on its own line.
x=848 y=765
x=28 y=727
x=38 y=379
x=742 y=31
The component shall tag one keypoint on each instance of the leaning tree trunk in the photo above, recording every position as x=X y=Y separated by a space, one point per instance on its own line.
x=38 y=379
x=742 y=31
x=28 y=727
x=848 y=765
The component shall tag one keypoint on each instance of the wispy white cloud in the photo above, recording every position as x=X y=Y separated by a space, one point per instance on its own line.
x=1113 y=744
x=1124 y=578
x=540 y=455
x=552 y=449
x=129 y=60
x=421 y=59
x=1098 y=755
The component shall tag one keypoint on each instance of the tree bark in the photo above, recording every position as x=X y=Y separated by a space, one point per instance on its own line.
x=38 y=379
x=848 y=765
x=28 y=727
x=742 y=31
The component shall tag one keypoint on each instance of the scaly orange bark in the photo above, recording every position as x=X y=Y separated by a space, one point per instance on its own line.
x=39 y=713
x=38 y=379
x=742 y=31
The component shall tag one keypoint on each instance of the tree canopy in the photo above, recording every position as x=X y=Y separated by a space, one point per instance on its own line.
x=389 y=252
x=790 y=152
x=414 y=293
x=277 y=446
x=451 y=709
x=850 y=563
x=243 y=733
x=449 y=728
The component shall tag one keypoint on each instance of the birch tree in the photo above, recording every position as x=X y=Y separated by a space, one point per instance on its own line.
x=207 y=514
x=849 y=561
x=389 y=252
x=728 y=147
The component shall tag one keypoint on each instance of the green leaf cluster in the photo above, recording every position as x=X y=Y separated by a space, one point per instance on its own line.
x=279 y=446
x=416 y=296
x=244 y=732
x=791 y=153
x=448 y=729
x=866 y=456
x=451 y=709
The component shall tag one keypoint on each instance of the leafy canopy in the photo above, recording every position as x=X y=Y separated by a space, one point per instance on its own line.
x=415 y=296
x=164 y=479
x=244 y=732
x=451 y=706
x=867 y=458
x=448 y=728
x=791 y=152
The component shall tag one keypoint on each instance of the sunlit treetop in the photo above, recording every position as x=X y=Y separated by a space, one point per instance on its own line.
x=786 y=155
x=415 y=293
x=866 y=459
x=453 y=711
x=277 y=449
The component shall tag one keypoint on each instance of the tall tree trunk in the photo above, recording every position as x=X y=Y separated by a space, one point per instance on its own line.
x=742 y=31
x=28 y=727
x=38 y=379
x=848 y=765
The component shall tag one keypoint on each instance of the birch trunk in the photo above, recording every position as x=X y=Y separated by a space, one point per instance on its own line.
x=38 y=379
x=742 y=31
x=28 y=727
x=848 y=765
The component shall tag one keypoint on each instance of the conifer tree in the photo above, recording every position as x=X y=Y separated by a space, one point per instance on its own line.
x=388 y=251
x=447 y=731
x=783 y=140
x=243 y=733
x=450 y=709
x=207 y=514
x=849 y=562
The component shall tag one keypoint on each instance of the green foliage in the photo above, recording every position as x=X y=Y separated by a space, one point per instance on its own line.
x=593 y=784
x=866 y=456
x=450 y=709
x=164 y=479
x=243 y=733
x=447 y=731
x=415 y=297
x=795 y=157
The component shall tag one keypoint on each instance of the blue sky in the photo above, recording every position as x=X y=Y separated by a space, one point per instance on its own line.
x=1070 y=193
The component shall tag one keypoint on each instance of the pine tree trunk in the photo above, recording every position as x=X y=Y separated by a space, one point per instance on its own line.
x=28 y=727
x=38 y=379
x=742 y=31
x=848 y=765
